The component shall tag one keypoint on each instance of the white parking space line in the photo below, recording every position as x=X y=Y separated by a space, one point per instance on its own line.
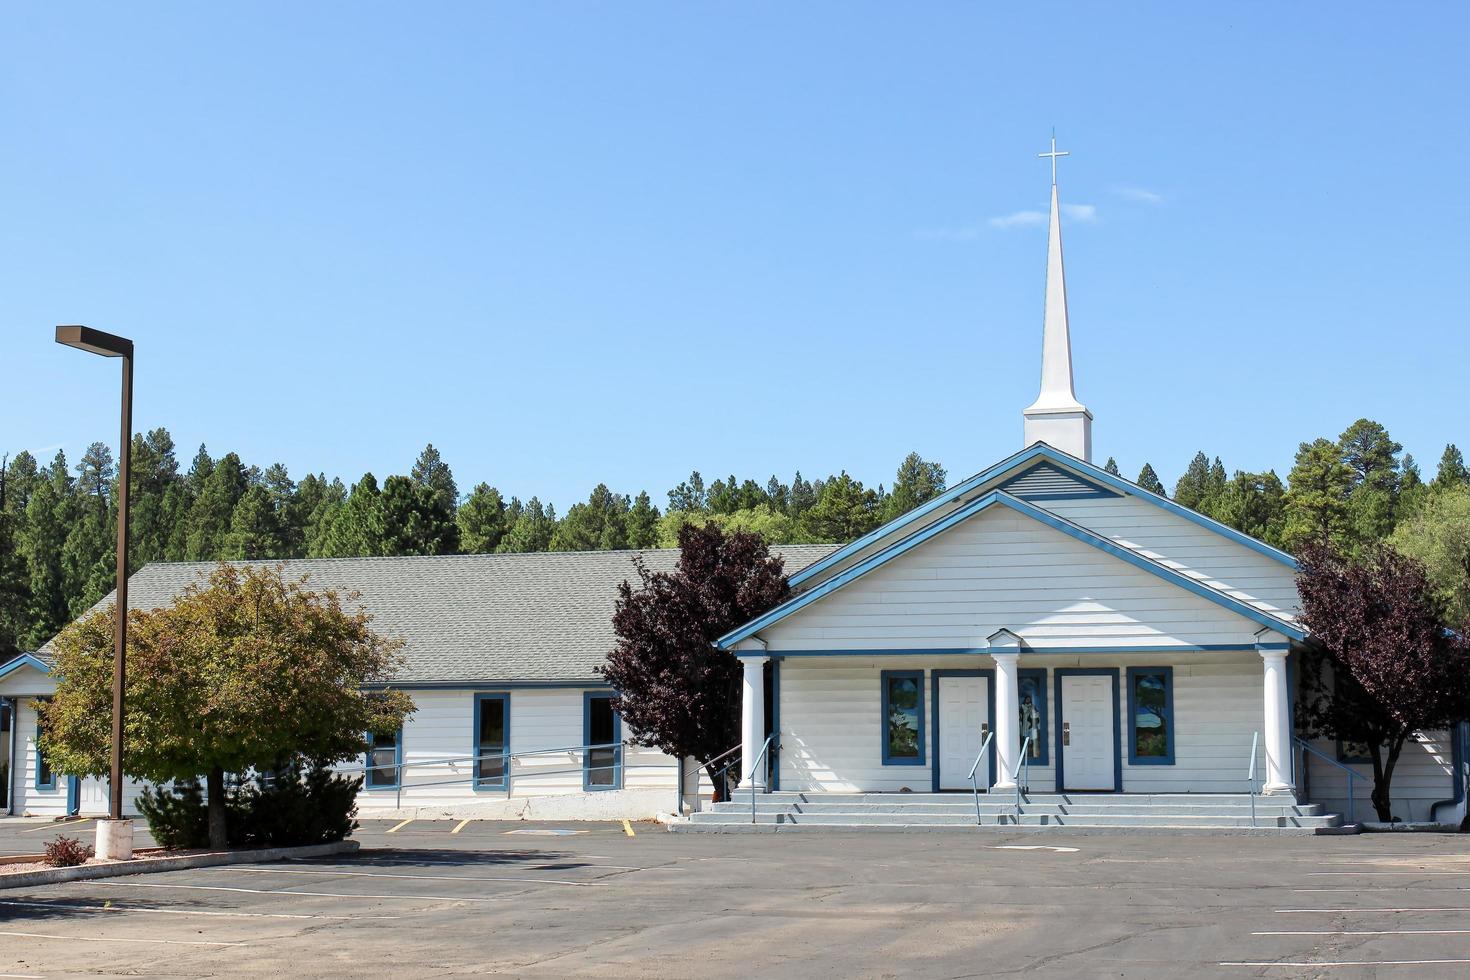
x=1328 y=963
x=105 y=939
x=1373 y=932
x=387 y=874
x=286 y=892
x=1402 y=874
x=1366 y=911
x=1373 y=891
x=70 y=906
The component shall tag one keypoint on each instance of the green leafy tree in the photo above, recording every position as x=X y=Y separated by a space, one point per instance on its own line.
x=246 y=670
x=918 y=481
x=1254 y=504
x=1316 y=500
x=481 y=520
x=1150 y=481
x=1438 y=535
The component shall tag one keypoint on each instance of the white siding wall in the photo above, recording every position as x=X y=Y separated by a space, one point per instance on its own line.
x=1183 y=545
x=832 y=729
x=30 y=801
x=1002 y=569
x=1422 y=777
x=442 y=729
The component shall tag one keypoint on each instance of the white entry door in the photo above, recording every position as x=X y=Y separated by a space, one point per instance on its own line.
x=1089 y=725
x=964 y=717
x=92 y=796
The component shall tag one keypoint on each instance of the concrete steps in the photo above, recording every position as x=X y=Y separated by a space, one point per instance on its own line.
x=910 y=812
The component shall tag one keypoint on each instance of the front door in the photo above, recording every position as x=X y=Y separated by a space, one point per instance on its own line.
x=1089 y=728
x=964 y=718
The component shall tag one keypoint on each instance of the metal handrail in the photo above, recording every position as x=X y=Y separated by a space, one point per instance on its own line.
x=750 y=775
x=1352 y=811
x=1250 y=776
x=1023 y=763
x=718 y=774
x=974 y=789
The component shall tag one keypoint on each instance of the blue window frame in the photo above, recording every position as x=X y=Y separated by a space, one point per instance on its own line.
x=602 y=768
x=45 y=775
x=491 y=745
x=1031 y=694
x=384 y=756
x=903 y=717
x=1151 y=733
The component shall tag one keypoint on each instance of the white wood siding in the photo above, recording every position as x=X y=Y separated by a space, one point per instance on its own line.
x=832 y=727
x=1187 y=547
x=30 y=801
x=1002 y=569
x=1422 y=777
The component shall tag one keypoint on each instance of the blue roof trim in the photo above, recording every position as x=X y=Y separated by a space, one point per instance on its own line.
x=1039 y=451
x=1129 y=649
x=24 y=660
x=1038 y=514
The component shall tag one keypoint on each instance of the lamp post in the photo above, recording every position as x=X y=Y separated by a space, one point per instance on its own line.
x=115 y=836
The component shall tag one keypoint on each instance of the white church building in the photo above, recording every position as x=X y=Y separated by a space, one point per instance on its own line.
x=1043 y=632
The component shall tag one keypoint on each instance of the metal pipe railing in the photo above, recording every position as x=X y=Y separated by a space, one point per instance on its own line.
x=1352 y=814
x=1023 y=764
x=1250 y=776
x=750 y=775
x=974 y=789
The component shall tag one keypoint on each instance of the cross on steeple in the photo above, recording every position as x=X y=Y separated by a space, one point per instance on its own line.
x=1054 y=154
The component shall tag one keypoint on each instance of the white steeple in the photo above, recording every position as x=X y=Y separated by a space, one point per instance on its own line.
x=1057 y=418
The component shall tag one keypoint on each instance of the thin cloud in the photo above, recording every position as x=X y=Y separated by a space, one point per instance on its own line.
x=1141 y=195
x=1080 y=212
x=1019 y=219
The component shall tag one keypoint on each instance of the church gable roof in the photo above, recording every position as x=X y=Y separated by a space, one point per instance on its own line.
x=996 y=477
x=999 y=498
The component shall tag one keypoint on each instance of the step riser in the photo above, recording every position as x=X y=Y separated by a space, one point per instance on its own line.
x=1312 y=810
x=1048 y=831
x=1088 y=799
x=893 y=820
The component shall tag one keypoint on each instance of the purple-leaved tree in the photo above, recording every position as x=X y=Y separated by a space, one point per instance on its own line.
x=675 y=690
x=1382 y=662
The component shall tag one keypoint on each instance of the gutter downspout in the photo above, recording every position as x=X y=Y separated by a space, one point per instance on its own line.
x=1459 y=736
x=14 y=706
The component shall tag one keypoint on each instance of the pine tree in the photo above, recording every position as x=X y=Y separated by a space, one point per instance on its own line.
x=642 y=522
x=255 y=528
x=917 y=482
x=689 y=495
x=481 y=520
x=532 y=529
x=319 y=501
x=1254 y=504
x=212 y=511
x=415 y=520
x=600 y=524
x=1451 y=470
x=843 y=511
x=803 y=496
x=1112 y=466
x=429 y=470
x=354 y=526
x=778 y=494
x=1194 y=485
x=15 y=593
x=1150 y=481
x=154 y=473
x=1316 y=501
x=41 y=542
x=94 y=474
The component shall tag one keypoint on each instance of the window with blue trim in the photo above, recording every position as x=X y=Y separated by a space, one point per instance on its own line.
x=903 y=717
x=45 y=775
x=1031 y=693
x=492 y=741
x=603 y=766
x=384 y=753
x=1151 y=714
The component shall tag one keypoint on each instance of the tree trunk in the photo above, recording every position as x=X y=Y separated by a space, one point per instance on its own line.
x=219 y=831
x=720 y=783
x=1383 y=776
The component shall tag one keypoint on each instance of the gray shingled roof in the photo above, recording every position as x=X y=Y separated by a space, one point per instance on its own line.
x=471 y=618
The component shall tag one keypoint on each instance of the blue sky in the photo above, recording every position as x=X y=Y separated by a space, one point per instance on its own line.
x=572 y=243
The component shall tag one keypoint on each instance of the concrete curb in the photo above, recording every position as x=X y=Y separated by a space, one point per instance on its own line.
x=182 y=862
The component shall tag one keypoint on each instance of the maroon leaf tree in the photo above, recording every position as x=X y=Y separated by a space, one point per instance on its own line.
x=1381 y=664
x=675 y=690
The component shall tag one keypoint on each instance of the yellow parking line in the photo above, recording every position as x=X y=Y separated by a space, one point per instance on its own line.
x=628 y=829
x=397 y=827
x=460 y=826
x=54 y=824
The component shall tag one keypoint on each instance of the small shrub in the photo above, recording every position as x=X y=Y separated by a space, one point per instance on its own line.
x=67 y=852
x=177 y=818
x=294 y=806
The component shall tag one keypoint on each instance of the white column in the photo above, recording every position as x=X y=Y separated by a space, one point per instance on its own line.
x=1277 y=723
x=753 y=723
x=1007 y=720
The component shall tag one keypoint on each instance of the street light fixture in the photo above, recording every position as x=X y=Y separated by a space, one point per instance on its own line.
x=115 y=842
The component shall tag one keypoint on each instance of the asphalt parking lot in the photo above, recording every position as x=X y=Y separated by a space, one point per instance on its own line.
x=423 y=900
